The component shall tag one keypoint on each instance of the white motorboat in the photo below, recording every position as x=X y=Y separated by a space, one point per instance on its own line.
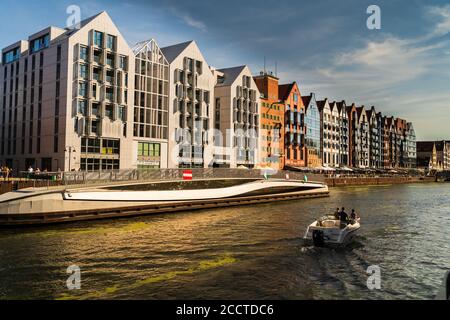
x=329 y=231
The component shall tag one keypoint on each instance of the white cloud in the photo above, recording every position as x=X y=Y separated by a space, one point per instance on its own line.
x=443 y=14
x=187 y=19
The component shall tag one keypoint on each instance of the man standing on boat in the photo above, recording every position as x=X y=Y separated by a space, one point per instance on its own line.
x=343 y=217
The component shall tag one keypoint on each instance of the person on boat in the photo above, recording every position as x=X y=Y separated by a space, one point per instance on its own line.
x=353 y=216
x=343 y=217
x=337 y=214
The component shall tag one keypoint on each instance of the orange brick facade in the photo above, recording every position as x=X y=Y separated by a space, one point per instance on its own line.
x=271 y=135
x=294 y=125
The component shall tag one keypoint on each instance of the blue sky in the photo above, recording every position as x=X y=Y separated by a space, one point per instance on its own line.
x=403 y=69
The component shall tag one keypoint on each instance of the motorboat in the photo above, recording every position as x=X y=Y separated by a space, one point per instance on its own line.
x=329 y=231
x=444 y=292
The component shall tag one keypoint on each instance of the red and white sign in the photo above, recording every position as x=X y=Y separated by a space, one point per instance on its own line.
x=187 y=175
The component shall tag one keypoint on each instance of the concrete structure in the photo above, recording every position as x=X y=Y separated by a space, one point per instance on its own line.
x=294 y=125
x=67 y=99
x=151 y=107
x=271 y=135
x=313 y=132
x=236 y=118
x=191 y=90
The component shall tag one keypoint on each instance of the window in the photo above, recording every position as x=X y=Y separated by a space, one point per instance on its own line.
x=122 y=113
x=149 y=149
x=84 y=53
x=11 y=56
x=110 y=42
x=123 y=62
x=82 y=89
x=83 y=71
x=109 y=111
x=110 y=146
x=82 y=107
x=40 y=43
x=94 y=127
x=98 y=39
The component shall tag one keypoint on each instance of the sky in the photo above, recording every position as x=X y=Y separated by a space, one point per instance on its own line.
x=403 y=69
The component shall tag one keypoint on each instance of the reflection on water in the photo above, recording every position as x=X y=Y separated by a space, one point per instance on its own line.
x=240 y=253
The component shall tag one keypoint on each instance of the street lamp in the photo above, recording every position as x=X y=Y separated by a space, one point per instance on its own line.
x=70 y=149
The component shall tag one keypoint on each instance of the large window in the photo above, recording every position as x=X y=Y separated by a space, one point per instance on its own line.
x=40 y=43
x=149 y=149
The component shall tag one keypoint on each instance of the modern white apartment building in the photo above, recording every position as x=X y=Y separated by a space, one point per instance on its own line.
x=329 y=132
x=236 y=118
x=363 y=146
x=374 y=138
x=411 y=145
x=343 y=124
x=191 y=91
x=67 y=99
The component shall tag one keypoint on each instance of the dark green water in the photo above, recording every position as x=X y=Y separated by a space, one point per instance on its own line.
x=241 y=253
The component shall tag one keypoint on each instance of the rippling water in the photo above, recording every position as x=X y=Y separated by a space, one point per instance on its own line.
x=252 y=252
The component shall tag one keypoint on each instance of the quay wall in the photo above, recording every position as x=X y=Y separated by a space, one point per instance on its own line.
x=356 y=181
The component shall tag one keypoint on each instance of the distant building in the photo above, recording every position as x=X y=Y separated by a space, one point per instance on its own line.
x=294 y=124
x=362 y=150
x=411 y=152
x=381 y=145
x=343 y=130
x=313 y=132
x=374 y=139
x=427 y=155
x=236 y=118
x=329 y=133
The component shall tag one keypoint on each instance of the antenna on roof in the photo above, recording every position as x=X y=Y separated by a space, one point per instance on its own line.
x=276 y=69
x=264 y=64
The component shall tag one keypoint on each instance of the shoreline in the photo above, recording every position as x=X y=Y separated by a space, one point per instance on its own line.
x=373 y=181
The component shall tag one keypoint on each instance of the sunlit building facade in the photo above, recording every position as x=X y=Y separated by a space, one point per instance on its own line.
x=312 y=124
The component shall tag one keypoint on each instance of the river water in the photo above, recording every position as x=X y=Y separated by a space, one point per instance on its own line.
x=252 y=252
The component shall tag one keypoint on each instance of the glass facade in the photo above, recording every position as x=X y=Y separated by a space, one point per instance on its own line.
x=312 y=121
x=151 y=111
